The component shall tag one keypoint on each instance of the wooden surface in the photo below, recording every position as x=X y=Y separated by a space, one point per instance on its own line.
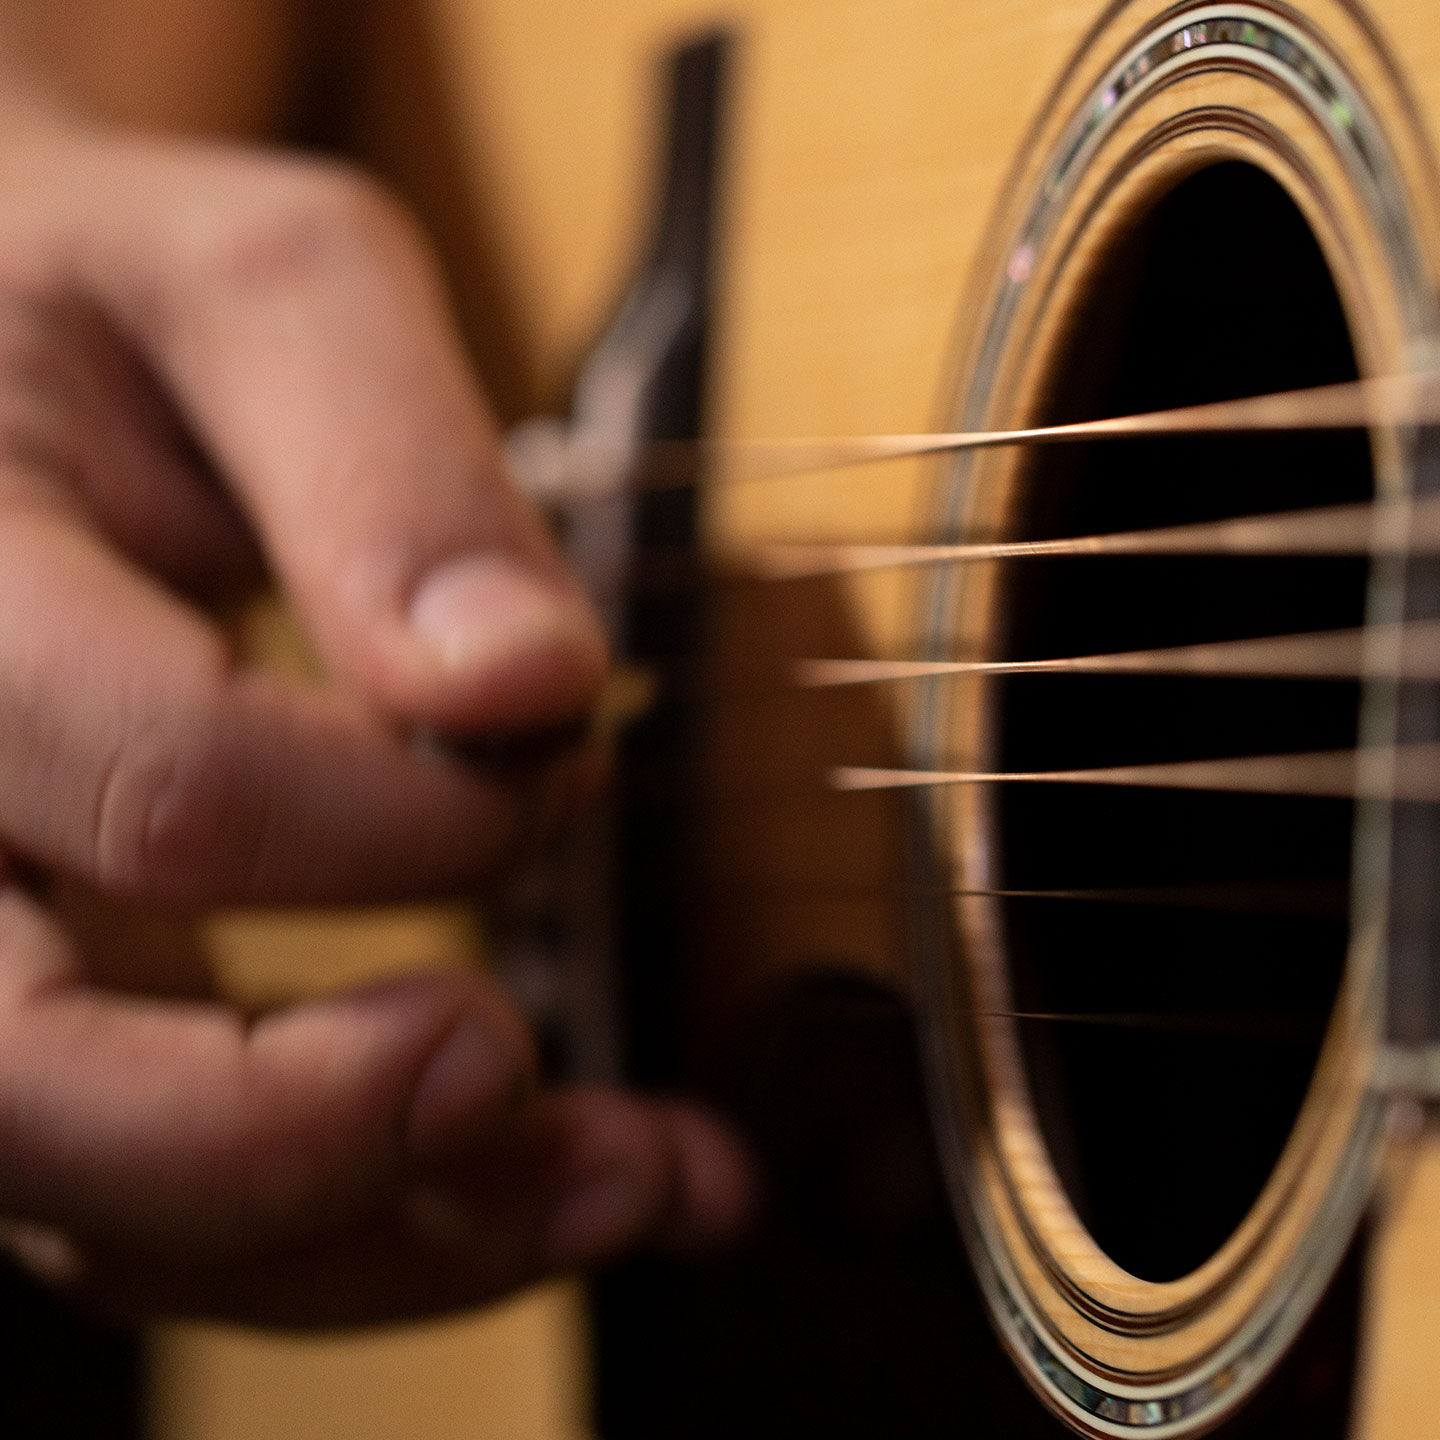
x=1400 y=1391
x=516 y=1373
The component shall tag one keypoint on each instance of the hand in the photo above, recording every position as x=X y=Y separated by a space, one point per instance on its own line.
x=210 y=361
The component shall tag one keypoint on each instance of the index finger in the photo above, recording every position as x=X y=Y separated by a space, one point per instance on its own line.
x=296 y=313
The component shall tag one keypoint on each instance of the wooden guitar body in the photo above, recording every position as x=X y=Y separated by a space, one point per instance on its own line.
x=962 y=216
x=1194 y=1201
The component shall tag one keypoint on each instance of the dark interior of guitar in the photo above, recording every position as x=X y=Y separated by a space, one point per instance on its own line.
x=1208 y=1013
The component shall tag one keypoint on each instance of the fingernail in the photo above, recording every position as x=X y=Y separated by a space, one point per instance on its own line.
x=480 y=611
x=598 y=1217
x=469 y=1079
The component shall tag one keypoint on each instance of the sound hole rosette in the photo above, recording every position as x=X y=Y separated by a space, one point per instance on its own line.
x=1144 y=107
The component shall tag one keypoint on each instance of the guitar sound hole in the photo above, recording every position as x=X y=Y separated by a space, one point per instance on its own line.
x=1167 y=1111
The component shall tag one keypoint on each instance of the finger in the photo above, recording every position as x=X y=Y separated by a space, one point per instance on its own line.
x=587 y=1172
x=300 y=320
x=155 y=1127
x=717 y=1194
x=580 y=1179
x=132 y=752
x=149 y=486
x=78 y=407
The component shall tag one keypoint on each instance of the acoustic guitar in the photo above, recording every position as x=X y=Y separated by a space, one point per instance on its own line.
x=1139 y=829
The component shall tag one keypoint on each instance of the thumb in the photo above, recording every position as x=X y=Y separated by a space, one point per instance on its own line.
x=162 y=1125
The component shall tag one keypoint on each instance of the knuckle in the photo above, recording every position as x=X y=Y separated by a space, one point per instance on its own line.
x=167 y=820
x=306 y=218
x=41 y=359
x=71 y=393
x=145 y=795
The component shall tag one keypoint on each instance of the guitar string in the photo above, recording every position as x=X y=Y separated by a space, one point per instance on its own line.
x=1401 y=651
x=1318 y=899
x=1266 y=1027
x=595 y=466
x=1402 y=773
x=1402 y=527
x=1382 y=527
x=1379 y=528
x=1394 y=772
x=1406 y=773
x=1412 y=399
x=1405 y=651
